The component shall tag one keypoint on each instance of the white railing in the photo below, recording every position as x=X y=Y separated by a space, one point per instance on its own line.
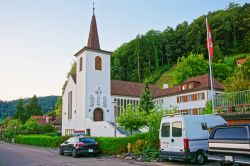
x=233 y=99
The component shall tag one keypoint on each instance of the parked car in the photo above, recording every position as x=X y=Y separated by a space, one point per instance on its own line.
x=185 y=137
x=230 y=144
x=79 y=145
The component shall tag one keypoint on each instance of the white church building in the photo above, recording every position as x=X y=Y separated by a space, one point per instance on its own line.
x=92 y=101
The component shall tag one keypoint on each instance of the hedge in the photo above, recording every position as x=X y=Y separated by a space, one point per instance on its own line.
x=40 y=140
x=111 y=145
x=108 y=145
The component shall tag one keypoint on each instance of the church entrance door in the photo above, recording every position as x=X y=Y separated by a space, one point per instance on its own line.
x=98 y=114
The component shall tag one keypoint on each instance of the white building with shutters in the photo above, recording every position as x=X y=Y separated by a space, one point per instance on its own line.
x=88 y=95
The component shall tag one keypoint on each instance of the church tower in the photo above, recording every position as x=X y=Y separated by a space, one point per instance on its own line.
x=93 y=81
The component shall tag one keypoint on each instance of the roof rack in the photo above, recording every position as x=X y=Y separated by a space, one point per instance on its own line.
x=174 y=114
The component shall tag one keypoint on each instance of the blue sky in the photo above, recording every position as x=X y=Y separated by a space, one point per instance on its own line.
x=39 y=38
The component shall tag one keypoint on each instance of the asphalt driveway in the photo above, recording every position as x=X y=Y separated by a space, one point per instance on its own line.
x=25 y=155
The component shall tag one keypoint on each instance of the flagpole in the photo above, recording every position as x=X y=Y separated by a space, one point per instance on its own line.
x=210 y=66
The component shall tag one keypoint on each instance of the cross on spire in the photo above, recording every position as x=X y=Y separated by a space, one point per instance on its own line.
x=93 y=7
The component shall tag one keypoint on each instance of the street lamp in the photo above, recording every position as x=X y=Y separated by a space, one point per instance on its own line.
x=115 y=114
x=14 y=134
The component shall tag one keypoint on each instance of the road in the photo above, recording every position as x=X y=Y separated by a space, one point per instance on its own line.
x=24 y=155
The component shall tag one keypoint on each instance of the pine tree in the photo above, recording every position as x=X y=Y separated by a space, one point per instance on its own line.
x=218 y=56
x=146 y=100
x=19 y=110
x=33 y=107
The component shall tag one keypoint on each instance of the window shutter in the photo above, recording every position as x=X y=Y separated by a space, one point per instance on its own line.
x=178 y=99
x=203 y=96
x=194 y=97
x=195 y=111
x=185 y=98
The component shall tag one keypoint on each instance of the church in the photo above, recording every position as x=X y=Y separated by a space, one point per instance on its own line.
x=92 y=101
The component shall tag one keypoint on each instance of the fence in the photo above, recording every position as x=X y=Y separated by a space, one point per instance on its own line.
x=234 y=99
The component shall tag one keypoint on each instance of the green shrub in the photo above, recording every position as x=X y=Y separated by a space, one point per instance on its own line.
x=110 y=145
x=40 y=140
x=139 y=146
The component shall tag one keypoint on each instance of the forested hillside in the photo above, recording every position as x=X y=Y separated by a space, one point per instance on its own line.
x=8 y=108
x=148 y=55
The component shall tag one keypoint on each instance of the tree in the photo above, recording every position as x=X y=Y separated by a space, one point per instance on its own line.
x=146 y=100
x=33 y=107
x=12 y=126
x=236 y=83
x=222 y=71
x=208 y=108
x=240 y=80
x=58 y=107
x=24 y=112
x=31 y=127
x=218 y=56
x=191 y=66
x=20 y=110
x=154 y=119
x=132 y=120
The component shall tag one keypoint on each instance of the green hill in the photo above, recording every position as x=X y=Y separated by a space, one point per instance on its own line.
x=148 y=53
x=168 y=76
x=8 y=108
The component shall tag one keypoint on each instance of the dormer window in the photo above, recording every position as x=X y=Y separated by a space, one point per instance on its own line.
x=189 y=86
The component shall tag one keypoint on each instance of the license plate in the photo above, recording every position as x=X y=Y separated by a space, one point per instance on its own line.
x=229 y=158
x=91 y=150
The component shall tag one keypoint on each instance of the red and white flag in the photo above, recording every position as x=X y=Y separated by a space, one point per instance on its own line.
x=209 y=42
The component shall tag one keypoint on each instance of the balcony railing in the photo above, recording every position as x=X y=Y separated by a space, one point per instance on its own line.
x=234 y=99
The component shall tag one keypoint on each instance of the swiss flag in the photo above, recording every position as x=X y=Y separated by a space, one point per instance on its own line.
x=209 y=41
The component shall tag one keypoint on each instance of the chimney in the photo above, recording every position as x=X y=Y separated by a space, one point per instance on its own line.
x=165 y=86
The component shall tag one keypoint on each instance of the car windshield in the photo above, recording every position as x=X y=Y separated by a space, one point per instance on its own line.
x=87 y=140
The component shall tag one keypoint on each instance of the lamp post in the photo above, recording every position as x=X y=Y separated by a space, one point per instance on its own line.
x=115 y=114
x=14 y=134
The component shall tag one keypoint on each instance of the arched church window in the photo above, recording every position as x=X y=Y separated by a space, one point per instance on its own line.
x=80 y=69
x=98 y=63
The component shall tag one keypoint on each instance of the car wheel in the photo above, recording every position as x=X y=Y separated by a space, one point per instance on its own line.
x=61 y=151
x=200 y=159
x=74 y=153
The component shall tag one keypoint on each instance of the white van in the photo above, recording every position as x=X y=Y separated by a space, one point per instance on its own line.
x=186 y=136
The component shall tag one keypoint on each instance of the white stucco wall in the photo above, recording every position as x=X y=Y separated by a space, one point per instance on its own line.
x=81 y=86
x=170 y=102
x=69 y=123
x=193 y=104
x=101 y=128
x=95 y=79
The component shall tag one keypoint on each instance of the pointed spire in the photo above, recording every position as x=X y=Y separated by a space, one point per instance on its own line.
x=93 y=41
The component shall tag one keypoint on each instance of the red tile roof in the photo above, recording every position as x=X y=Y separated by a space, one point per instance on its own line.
x=132 y=89
x=205 y=82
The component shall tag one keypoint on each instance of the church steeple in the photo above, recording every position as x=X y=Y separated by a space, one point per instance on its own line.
x=93 y=41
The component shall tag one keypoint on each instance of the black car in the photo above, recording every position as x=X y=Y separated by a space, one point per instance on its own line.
x=79 y=145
